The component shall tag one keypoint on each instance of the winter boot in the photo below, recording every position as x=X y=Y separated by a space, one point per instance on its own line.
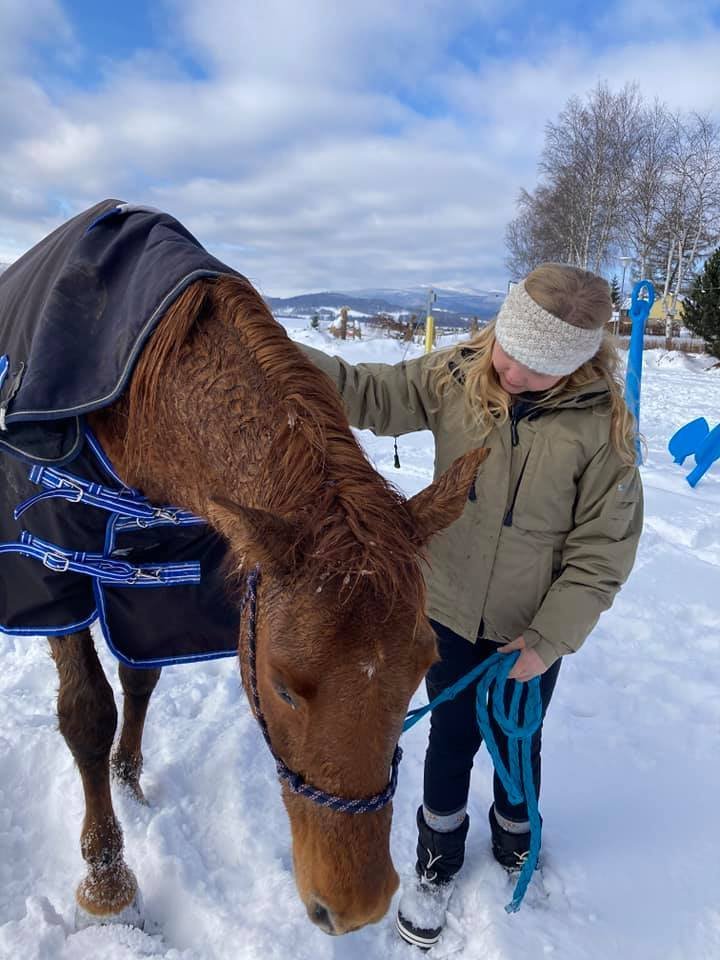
x=509 y=849
x=421 y=914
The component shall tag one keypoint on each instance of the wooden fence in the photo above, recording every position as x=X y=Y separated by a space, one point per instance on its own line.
x=683 y=344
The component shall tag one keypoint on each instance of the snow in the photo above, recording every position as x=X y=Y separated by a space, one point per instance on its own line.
x=678 y=360
x=630 y=792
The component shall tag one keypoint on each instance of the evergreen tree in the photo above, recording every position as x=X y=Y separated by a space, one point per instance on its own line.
x=615 y=292
x=315 y=322
x=701 y=309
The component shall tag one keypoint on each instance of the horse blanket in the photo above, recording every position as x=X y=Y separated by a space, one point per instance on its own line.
x=76 y=544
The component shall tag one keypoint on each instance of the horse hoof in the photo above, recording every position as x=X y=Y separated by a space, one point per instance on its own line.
x=134 y=790
x=132 y=915
x=127 y=776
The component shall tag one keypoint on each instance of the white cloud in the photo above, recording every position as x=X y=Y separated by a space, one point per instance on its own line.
x=300 y=155
x=26 y=22
x=338 y=43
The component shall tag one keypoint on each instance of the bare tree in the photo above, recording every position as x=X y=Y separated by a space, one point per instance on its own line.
x=643 y=227
x=691 y=204
x=621 y=177
x=576 y=213
x=538 y=234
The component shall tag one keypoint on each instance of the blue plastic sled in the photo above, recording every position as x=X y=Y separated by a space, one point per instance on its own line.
x=705 y=456
x=688 y=439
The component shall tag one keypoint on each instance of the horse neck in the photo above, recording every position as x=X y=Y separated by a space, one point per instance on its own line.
x=223 y=405
x=226 y=408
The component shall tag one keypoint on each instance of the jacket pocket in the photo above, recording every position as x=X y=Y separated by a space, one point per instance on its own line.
x=523 y=572
x=623 y=504
x=545 y=498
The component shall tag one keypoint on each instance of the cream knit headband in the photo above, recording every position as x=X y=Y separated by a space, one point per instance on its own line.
x=540 y=340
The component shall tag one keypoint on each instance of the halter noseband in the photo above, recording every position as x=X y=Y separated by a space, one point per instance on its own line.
x=293 y=780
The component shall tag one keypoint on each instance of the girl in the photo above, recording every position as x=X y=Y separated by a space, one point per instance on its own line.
x=548 y=536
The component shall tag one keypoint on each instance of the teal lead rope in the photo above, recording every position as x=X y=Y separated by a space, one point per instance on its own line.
x=518 y=722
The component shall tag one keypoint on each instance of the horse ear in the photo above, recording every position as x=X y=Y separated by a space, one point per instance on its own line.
x=261 y=537
x=438 y=505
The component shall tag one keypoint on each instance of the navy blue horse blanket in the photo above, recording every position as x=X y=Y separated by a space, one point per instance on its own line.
x=76 y=544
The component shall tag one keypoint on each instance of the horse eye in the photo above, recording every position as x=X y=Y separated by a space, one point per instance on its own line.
x=284 y=695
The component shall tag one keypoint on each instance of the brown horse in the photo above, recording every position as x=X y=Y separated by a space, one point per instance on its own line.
x=225 y=417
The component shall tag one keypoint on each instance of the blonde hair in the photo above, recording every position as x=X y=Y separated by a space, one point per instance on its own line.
x=573 y=295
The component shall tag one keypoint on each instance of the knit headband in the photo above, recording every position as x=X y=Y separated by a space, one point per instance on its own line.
x=540 y=340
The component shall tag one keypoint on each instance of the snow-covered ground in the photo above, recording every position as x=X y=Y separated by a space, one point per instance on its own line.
x=631 y=777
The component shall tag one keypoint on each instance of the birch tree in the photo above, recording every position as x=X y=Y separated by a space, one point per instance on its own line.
x=691 y=198
x=576 y=211
x=621 y=178
x=644 y=229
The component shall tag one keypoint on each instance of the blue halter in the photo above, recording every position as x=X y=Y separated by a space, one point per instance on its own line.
x=293 y=780
x=519 y=722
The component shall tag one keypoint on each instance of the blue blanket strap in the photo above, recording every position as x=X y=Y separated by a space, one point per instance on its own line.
x=165 y=516
x=127 y=503
x=102 y=568
x=519 y=723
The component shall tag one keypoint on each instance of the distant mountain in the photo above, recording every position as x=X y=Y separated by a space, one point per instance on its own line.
x=451 y=306
x=474 y=303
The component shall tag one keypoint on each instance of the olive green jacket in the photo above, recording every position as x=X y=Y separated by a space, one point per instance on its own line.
x=553 y=532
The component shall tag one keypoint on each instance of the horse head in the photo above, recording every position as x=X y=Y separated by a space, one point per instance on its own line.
x=330 y=659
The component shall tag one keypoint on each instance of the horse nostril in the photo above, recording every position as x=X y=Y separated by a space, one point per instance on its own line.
x=321 y=916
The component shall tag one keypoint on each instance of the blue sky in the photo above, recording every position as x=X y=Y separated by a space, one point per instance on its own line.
x=320 y=145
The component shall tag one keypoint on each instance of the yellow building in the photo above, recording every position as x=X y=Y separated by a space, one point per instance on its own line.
x=661 y=306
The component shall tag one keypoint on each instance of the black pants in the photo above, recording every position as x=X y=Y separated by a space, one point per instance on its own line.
x=454 y=734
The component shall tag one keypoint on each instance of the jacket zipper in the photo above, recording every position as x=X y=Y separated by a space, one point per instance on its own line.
x=508 y=521
x=514 y=436
x=515 y=439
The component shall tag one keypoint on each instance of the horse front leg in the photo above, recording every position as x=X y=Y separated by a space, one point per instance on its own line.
x=87 y=719
x=127 y=760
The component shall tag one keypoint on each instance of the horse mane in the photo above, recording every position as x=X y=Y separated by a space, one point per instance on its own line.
x=353 y=522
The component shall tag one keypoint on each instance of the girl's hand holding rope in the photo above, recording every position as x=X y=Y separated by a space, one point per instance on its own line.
x=529 y=664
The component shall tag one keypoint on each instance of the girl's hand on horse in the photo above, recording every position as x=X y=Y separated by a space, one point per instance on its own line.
x=528 y=664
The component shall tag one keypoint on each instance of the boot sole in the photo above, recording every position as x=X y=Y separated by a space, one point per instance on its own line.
x=415 y=937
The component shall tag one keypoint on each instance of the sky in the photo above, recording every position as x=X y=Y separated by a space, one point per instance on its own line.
x=320 y=145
